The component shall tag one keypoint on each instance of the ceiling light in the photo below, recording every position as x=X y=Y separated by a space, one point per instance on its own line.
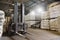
x=42 y=0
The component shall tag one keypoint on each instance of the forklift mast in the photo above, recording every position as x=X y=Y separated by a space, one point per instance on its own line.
x=19 y=19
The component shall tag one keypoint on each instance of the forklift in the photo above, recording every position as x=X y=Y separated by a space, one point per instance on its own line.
x=17 y=23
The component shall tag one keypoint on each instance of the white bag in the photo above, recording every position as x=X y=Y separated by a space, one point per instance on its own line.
x=2 y=19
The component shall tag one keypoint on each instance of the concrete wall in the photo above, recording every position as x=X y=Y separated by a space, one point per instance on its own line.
x=35 y=16
x=30 y=17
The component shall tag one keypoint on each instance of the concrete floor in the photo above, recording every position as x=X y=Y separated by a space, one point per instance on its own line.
x=16 y=37
x=36 y=34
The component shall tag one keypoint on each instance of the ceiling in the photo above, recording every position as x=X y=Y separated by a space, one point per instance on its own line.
x=7 y=4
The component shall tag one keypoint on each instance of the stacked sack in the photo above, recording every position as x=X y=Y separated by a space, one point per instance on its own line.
x=58 y=24
x=54 y=11
x=2 y=19
x=45 y=24
x=53 y=24
x=44 y=20
x=45 y=15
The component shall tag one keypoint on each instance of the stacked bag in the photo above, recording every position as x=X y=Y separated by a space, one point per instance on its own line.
x=2 y=19
x=54 y=10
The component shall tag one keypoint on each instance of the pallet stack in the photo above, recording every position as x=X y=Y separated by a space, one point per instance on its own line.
x=54 y=10
x=54 y=24
x=45 y=24
x=51 y=19
x=45 y=20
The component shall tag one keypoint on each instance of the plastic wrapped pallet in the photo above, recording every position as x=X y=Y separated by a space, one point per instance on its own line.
x=54 y=10
x=45 y=15
x=58 y=24
x=54 y=24
x=45 y=24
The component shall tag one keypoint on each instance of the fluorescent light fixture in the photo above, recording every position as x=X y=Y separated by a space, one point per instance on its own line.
x=39 y=10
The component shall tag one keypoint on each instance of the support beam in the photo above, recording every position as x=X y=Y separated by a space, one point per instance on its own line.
x=6 y=3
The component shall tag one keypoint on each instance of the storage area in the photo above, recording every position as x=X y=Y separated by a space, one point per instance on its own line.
x=29 y=19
